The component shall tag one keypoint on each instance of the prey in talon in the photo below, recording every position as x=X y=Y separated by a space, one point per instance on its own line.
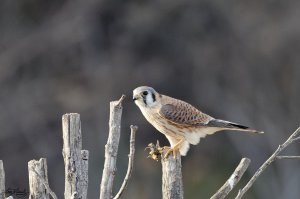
x=155 y=151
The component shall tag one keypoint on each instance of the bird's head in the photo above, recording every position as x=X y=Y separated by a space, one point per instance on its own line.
x=145 y=96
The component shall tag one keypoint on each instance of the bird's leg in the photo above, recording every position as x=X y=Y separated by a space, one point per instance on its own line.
x=173 y=149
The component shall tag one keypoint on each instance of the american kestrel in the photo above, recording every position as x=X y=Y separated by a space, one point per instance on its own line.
x=179 y=121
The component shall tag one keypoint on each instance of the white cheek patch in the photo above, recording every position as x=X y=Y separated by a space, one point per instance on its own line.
x=149 y=99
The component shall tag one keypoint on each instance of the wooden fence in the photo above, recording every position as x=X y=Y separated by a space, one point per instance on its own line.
x=76 y=165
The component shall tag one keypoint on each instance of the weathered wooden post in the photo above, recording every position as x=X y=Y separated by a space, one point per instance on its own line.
x=2 y=181
x=111 y=149
x=172 y=187
x=84 y=172
x=38 y=179
x=76 y=160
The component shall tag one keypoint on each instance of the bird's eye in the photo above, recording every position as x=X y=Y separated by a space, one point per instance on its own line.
x=145 y=93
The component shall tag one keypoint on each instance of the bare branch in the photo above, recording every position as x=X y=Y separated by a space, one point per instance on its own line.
x=233 y=180
x=130 y=162
x=119 y=102
x=272 y=158
x=297 y=138
x=287 y=157
x=111 y=149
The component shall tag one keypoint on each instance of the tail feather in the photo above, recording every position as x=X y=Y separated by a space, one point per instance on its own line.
x=231 y=126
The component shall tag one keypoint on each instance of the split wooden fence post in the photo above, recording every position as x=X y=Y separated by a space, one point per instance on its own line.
x=75 y=159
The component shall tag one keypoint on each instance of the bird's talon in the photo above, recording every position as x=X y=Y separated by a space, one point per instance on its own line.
x=157 y=151
x=169 y=150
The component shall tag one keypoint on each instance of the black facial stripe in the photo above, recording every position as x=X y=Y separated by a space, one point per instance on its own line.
x=144 y=99
x=153 y=97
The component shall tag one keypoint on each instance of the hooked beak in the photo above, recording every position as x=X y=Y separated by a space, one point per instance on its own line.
x=135 y=97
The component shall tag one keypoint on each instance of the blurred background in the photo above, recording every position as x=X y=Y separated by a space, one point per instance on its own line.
x=235 y=60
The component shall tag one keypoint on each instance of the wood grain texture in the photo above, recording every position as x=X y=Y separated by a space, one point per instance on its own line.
x=233 y=180
x=111 y=149
x=75 y=167
x=172 y=187
x=38 y=178
x=2 y=180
